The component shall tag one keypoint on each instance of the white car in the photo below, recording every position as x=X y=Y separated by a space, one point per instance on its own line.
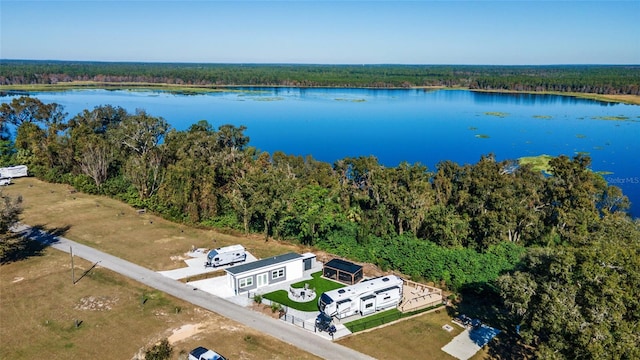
x=5 y=181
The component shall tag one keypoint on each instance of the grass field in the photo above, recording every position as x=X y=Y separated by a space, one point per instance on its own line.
x=118 y=318
x=118 y=229
x=420 y=337
x=39 y=304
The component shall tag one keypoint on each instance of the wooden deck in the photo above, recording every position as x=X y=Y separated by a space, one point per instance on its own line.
x=416 y=296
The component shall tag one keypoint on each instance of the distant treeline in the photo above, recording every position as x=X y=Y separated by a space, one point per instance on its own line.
x=597 y=79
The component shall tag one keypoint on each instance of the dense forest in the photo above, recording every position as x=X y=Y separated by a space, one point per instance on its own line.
x=596 y=79
x=559 y=252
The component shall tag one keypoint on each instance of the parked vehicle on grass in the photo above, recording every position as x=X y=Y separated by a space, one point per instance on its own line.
x=226 y=255
x=202 y=353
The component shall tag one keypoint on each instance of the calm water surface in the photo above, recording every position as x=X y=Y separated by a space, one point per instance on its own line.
x=402 y=125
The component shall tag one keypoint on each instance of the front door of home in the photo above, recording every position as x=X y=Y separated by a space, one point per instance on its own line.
x=261 y=280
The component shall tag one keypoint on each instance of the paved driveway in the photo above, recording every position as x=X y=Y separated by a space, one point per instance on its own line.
x=195 y=266
x=278 y=329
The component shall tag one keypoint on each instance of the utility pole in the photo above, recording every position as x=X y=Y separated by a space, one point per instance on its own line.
x=73 y=276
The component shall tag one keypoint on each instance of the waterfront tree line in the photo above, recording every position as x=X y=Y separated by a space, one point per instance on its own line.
x=559 y=251
x=595 y=79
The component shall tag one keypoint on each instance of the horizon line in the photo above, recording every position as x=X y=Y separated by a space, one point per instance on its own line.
x=311 y=63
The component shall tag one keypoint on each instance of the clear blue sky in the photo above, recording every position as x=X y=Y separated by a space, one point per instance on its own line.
x=344 y=32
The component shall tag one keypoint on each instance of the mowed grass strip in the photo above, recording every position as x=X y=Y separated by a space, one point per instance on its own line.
x=117 y=317
x=118 y=229
x=420 y=337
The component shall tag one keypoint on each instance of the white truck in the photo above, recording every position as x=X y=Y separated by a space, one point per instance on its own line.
x=365 y=297
x=201 y=353
x=226 y=255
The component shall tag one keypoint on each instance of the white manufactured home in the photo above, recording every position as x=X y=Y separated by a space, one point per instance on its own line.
x=254 y=275
x=365 y=297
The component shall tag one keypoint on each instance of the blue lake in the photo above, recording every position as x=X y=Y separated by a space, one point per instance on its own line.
x=402 y=125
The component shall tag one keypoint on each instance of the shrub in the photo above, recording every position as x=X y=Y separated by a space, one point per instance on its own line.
x=160 y=351
x=275 y=307
x=257 y=298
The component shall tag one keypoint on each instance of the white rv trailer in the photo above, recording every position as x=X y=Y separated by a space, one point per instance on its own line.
x=365 y=297
x=226 y=255
x=13 y=171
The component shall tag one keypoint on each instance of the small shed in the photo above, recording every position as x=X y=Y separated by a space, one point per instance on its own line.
x=343 y=271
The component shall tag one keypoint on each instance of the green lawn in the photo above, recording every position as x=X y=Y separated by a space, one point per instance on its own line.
x=318 y=283
x=381 y=318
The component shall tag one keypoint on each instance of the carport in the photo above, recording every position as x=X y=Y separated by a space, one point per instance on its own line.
x=343 y=271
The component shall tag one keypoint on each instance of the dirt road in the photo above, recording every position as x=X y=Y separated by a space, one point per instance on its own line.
x=278 y=329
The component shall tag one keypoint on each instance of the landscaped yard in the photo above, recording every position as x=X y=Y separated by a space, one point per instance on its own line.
x=318 y=283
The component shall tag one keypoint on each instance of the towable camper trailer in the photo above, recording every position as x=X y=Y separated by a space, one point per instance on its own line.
x=13 y=171
x=226 y=255
x=365 y=297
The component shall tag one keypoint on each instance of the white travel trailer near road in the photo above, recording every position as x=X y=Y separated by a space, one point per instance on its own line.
x=226 y=255
x=13 y=171
x=365 y=297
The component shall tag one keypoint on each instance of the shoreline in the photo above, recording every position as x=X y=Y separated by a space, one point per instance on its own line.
x=198 y=89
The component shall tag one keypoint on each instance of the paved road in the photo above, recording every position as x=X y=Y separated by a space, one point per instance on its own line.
x=278 y=329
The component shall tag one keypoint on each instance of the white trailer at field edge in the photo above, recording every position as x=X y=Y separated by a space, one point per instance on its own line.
x=365 y=297
x=13 y=171
x=226 y=255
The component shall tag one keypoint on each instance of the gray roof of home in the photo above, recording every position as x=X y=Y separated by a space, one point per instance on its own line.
x=263 y=263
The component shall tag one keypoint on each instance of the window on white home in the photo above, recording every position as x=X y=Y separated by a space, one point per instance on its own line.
x=275 y=274
x=245 y=282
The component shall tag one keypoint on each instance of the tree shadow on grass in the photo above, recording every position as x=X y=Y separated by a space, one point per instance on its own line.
x=479 y=301
x=28 y=243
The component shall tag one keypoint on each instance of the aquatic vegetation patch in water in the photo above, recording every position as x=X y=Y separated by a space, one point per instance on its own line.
x=482 y=136
x=268 y=98
x=497 y=113
x=351 y=100
x=473 y=128
x=542 y=116
x=581 y=136
x=612 y=118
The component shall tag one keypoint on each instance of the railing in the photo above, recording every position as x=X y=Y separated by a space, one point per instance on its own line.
x=422 y=297
x=298 y=322
x=361 y=325
x=406 y=306
x=422 y=286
